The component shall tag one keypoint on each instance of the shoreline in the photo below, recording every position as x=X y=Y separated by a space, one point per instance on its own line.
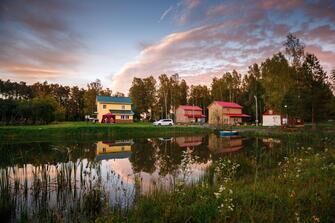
x=87 y=131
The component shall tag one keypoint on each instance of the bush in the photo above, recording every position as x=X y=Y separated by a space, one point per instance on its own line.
x=35 y=111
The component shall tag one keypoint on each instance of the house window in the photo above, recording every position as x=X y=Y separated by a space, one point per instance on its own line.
x=124 y=117
x=123 y=107
x=104 y=106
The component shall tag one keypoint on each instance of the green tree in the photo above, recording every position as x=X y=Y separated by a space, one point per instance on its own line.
x=277 y=79
x=295 y=50
x=252 y=87
x=164 y=95
x=178 y=92
x=316 y=91
x=227 y=88
x=183 y=92
x=76 y=104
x=200 y=96
x=143 y=94
x=93 y=90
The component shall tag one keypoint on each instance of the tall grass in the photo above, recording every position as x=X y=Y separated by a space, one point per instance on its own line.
x=65 y=192
x=286 y=179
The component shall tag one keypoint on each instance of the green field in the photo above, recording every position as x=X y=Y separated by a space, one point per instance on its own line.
x=86 y=131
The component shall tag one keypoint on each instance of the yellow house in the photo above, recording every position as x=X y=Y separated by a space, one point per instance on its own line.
x=114 y=109
x=225 y=113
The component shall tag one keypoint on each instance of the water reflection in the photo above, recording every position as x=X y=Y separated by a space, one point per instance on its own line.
x=117 y=149
x=221 y=145
x=62 y=176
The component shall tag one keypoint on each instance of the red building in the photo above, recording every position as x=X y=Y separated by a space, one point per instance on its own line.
x=189 y=113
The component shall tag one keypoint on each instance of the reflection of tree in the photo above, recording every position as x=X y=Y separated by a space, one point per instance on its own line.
x=170 y=157
x=143 y=156
x=44 y=152
x=200 y=154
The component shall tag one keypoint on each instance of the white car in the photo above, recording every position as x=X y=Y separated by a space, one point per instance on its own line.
x=163 y=122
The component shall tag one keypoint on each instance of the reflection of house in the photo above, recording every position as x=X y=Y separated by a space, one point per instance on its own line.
x=189 y=141
x=218 y=144
x=113 y=149
x=272 y=118
x=189 y=113
x=114 y=109
x=271 y=142
x=225 y=113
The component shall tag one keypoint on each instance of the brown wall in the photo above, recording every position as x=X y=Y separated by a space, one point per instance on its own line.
x=181 y=118
x=123 y=121
x=216 y=115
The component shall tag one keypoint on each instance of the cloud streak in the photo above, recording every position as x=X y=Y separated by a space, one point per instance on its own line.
x=165 y=13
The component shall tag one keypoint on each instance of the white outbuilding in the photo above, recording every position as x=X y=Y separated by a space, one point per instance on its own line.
x=272 y=118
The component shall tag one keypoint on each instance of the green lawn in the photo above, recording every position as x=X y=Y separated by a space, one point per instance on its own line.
x=85 y=130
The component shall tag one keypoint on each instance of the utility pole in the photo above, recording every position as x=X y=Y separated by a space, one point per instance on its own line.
x=165 y=97
x=286 y=114
x=256 y=110
x=193 y=113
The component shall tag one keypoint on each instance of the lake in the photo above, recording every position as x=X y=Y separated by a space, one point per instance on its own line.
x=69 y=177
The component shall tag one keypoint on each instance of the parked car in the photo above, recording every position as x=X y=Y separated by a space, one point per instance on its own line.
x=92 y=118
x=163 y=122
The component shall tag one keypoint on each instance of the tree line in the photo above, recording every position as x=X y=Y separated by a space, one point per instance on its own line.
x=42 y=103
x=291 y=82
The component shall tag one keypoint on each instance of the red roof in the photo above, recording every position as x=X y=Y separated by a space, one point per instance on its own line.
x=108 y=115
x=228 y=104
x=238 y=115
x=190 y=107
x=188 y=143
x=195 y=115
x=271 y=112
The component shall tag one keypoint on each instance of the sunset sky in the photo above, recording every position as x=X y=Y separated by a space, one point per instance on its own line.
x=75 y=42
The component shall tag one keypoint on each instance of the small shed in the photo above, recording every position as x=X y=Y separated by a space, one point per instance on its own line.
x=108 y=118
x=272 y=118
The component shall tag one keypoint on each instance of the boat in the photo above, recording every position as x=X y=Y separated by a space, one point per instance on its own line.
x=228 y=133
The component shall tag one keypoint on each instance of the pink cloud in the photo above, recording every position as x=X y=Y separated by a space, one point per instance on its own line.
x=280 y=5
x=217 y=10
x=192 y=3
x=326 y=57
x=244 y=37
x=36 y=42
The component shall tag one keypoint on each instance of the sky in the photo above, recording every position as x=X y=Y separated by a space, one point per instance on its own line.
x=75 y=42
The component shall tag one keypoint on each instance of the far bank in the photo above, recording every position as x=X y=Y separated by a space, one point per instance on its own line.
x=86 y=131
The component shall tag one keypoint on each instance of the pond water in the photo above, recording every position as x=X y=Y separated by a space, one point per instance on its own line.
x=68 y=177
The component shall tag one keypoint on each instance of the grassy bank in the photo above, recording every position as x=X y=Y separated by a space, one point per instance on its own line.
x=88 y=131
x=297 y=188
x=322 y=129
